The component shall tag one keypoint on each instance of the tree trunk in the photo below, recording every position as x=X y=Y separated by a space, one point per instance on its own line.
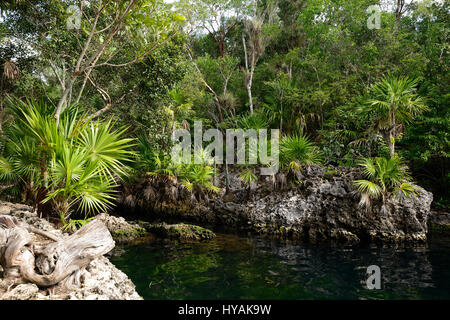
x=390 y=141
x=174 y=120
x=63 y=101
x=222 y=47
x=281 y=111
x=391 y=144
x=250 y=99
x=248 y=75
x=59 y=263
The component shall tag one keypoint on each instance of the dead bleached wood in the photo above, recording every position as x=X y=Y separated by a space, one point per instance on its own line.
x=11 y=222
x=59 y=262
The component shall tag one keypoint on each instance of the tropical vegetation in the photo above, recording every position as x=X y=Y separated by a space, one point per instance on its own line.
x=74 y=164
x=384 y=176
x=88 y=106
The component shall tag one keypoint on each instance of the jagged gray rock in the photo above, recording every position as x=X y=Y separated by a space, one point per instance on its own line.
x=121 y=230
x=324 y=205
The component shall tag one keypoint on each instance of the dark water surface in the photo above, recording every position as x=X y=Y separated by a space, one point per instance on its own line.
x=235 y=267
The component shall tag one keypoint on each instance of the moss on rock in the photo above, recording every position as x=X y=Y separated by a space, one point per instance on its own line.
x=439 y=227
x=129 y=234
x=122 y=230
x=329 y=174
x=179 y=231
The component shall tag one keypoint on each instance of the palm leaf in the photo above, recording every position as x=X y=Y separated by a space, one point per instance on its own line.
x=368 y=187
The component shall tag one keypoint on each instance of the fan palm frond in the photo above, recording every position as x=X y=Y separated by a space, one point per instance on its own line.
x=298 y=149
x=384 y=176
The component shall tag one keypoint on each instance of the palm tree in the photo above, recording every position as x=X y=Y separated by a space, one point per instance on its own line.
x=197 y=176
x=194 y=177
x=256 y=120
x=384 y=176
x=284 y=105
x=394 y=103
x=77 y=180
x=75 y=164
x=298 y=150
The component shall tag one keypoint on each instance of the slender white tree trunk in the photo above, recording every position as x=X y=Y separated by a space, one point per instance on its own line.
x=248 y=75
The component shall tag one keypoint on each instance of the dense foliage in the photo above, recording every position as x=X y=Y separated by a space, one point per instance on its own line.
x=338 y=88
x=75 y=164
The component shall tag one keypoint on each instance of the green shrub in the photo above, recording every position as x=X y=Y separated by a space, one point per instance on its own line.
x=76 y=163
x=298 y=150
x=384 y=177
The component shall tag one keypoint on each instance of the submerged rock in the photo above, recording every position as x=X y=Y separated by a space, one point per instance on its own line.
x=100 y=280
x=124 y=231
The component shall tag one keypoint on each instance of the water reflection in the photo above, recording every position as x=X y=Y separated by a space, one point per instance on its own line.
x=232 y=267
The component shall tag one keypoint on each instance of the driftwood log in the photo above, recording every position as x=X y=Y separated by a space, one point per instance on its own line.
x=58 y=263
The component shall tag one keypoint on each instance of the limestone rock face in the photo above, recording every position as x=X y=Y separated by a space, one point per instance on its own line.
x=22 y=292
x=121 y=230
x=103 y=281
x=323 y=205
x=100 y=280
x=179 y=231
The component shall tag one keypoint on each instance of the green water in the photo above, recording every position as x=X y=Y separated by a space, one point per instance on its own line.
x=233 y=267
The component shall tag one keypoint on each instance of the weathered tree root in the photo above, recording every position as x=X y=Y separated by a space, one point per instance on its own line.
x=57 y=263
x=11 y=222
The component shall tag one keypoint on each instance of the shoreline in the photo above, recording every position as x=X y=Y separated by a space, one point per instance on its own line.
x=100 y=280
x=323 y=206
